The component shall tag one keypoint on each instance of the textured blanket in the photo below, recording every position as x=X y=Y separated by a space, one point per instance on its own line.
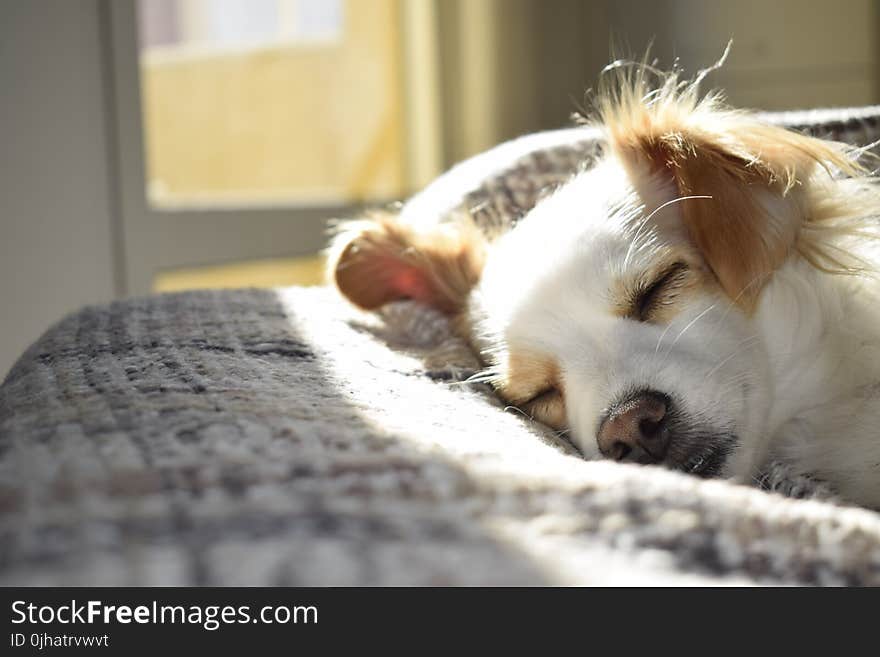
x=281 y=437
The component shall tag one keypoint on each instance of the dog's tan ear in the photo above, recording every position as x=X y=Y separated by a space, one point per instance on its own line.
x=754 y=174
x=381 y=259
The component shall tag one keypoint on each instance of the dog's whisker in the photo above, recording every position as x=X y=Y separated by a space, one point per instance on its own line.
x=686 y=328
x=482 y=378
x=660 y=339
x=635 y=241
x=746 y=344
x=520 y=411
x=732 y=303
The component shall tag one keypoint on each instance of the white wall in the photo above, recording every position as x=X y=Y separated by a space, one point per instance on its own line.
x=55 y=218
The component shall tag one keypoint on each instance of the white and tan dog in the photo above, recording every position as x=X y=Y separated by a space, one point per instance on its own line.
x=702 y=298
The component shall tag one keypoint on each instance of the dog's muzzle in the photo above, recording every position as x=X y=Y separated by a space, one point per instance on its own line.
x=645 y=427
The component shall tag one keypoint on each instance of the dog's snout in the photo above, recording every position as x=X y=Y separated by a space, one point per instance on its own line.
x=635 y=430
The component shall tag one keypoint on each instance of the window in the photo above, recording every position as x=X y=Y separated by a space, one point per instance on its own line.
x=254 y=102
x=241 y=126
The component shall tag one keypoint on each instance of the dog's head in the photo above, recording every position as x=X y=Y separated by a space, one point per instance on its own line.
x=622 y=308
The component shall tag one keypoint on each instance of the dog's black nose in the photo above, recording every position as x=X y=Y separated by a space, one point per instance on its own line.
x=635 y=430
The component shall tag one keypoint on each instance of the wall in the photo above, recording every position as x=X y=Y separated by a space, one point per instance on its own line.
x=787 y=53
x=55 y=218
x=544 y=54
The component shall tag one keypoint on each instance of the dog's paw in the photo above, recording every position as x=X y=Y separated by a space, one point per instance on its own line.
x=778 y=477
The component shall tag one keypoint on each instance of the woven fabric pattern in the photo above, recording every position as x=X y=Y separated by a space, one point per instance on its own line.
x=281 y=437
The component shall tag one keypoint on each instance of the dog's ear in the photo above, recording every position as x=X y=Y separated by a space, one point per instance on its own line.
x=752 y=177
x=381 y=259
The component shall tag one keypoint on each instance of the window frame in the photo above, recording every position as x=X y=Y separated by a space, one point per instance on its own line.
x=151 y=239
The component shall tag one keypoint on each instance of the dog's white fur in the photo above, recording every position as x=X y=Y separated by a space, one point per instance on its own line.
x=771 y=335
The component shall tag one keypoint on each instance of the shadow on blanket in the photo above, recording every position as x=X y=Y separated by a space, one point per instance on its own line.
x=257 y=437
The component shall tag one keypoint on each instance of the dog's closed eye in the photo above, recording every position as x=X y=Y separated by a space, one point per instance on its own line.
x=542 y=396
x=652 y=296
x=547 y=406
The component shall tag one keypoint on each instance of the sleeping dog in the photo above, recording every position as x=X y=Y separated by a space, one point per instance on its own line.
x=703 y=298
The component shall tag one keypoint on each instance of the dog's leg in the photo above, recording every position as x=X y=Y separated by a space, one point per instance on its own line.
x=779 y=477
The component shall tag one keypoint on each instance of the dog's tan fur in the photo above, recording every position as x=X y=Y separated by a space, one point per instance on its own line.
x=708 y=211
x=754 y=174
x=379 y=259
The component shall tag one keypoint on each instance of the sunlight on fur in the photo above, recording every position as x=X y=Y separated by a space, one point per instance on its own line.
x=666 y=121
x=703 y=297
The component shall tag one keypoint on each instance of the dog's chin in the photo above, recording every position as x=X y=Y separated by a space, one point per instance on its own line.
x=702 y=453
x=709 y=460
x=699 y=449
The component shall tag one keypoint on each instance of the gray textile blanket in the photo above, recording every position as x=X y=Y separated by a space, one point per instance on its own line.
x=261 y=437
x=280 y=437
